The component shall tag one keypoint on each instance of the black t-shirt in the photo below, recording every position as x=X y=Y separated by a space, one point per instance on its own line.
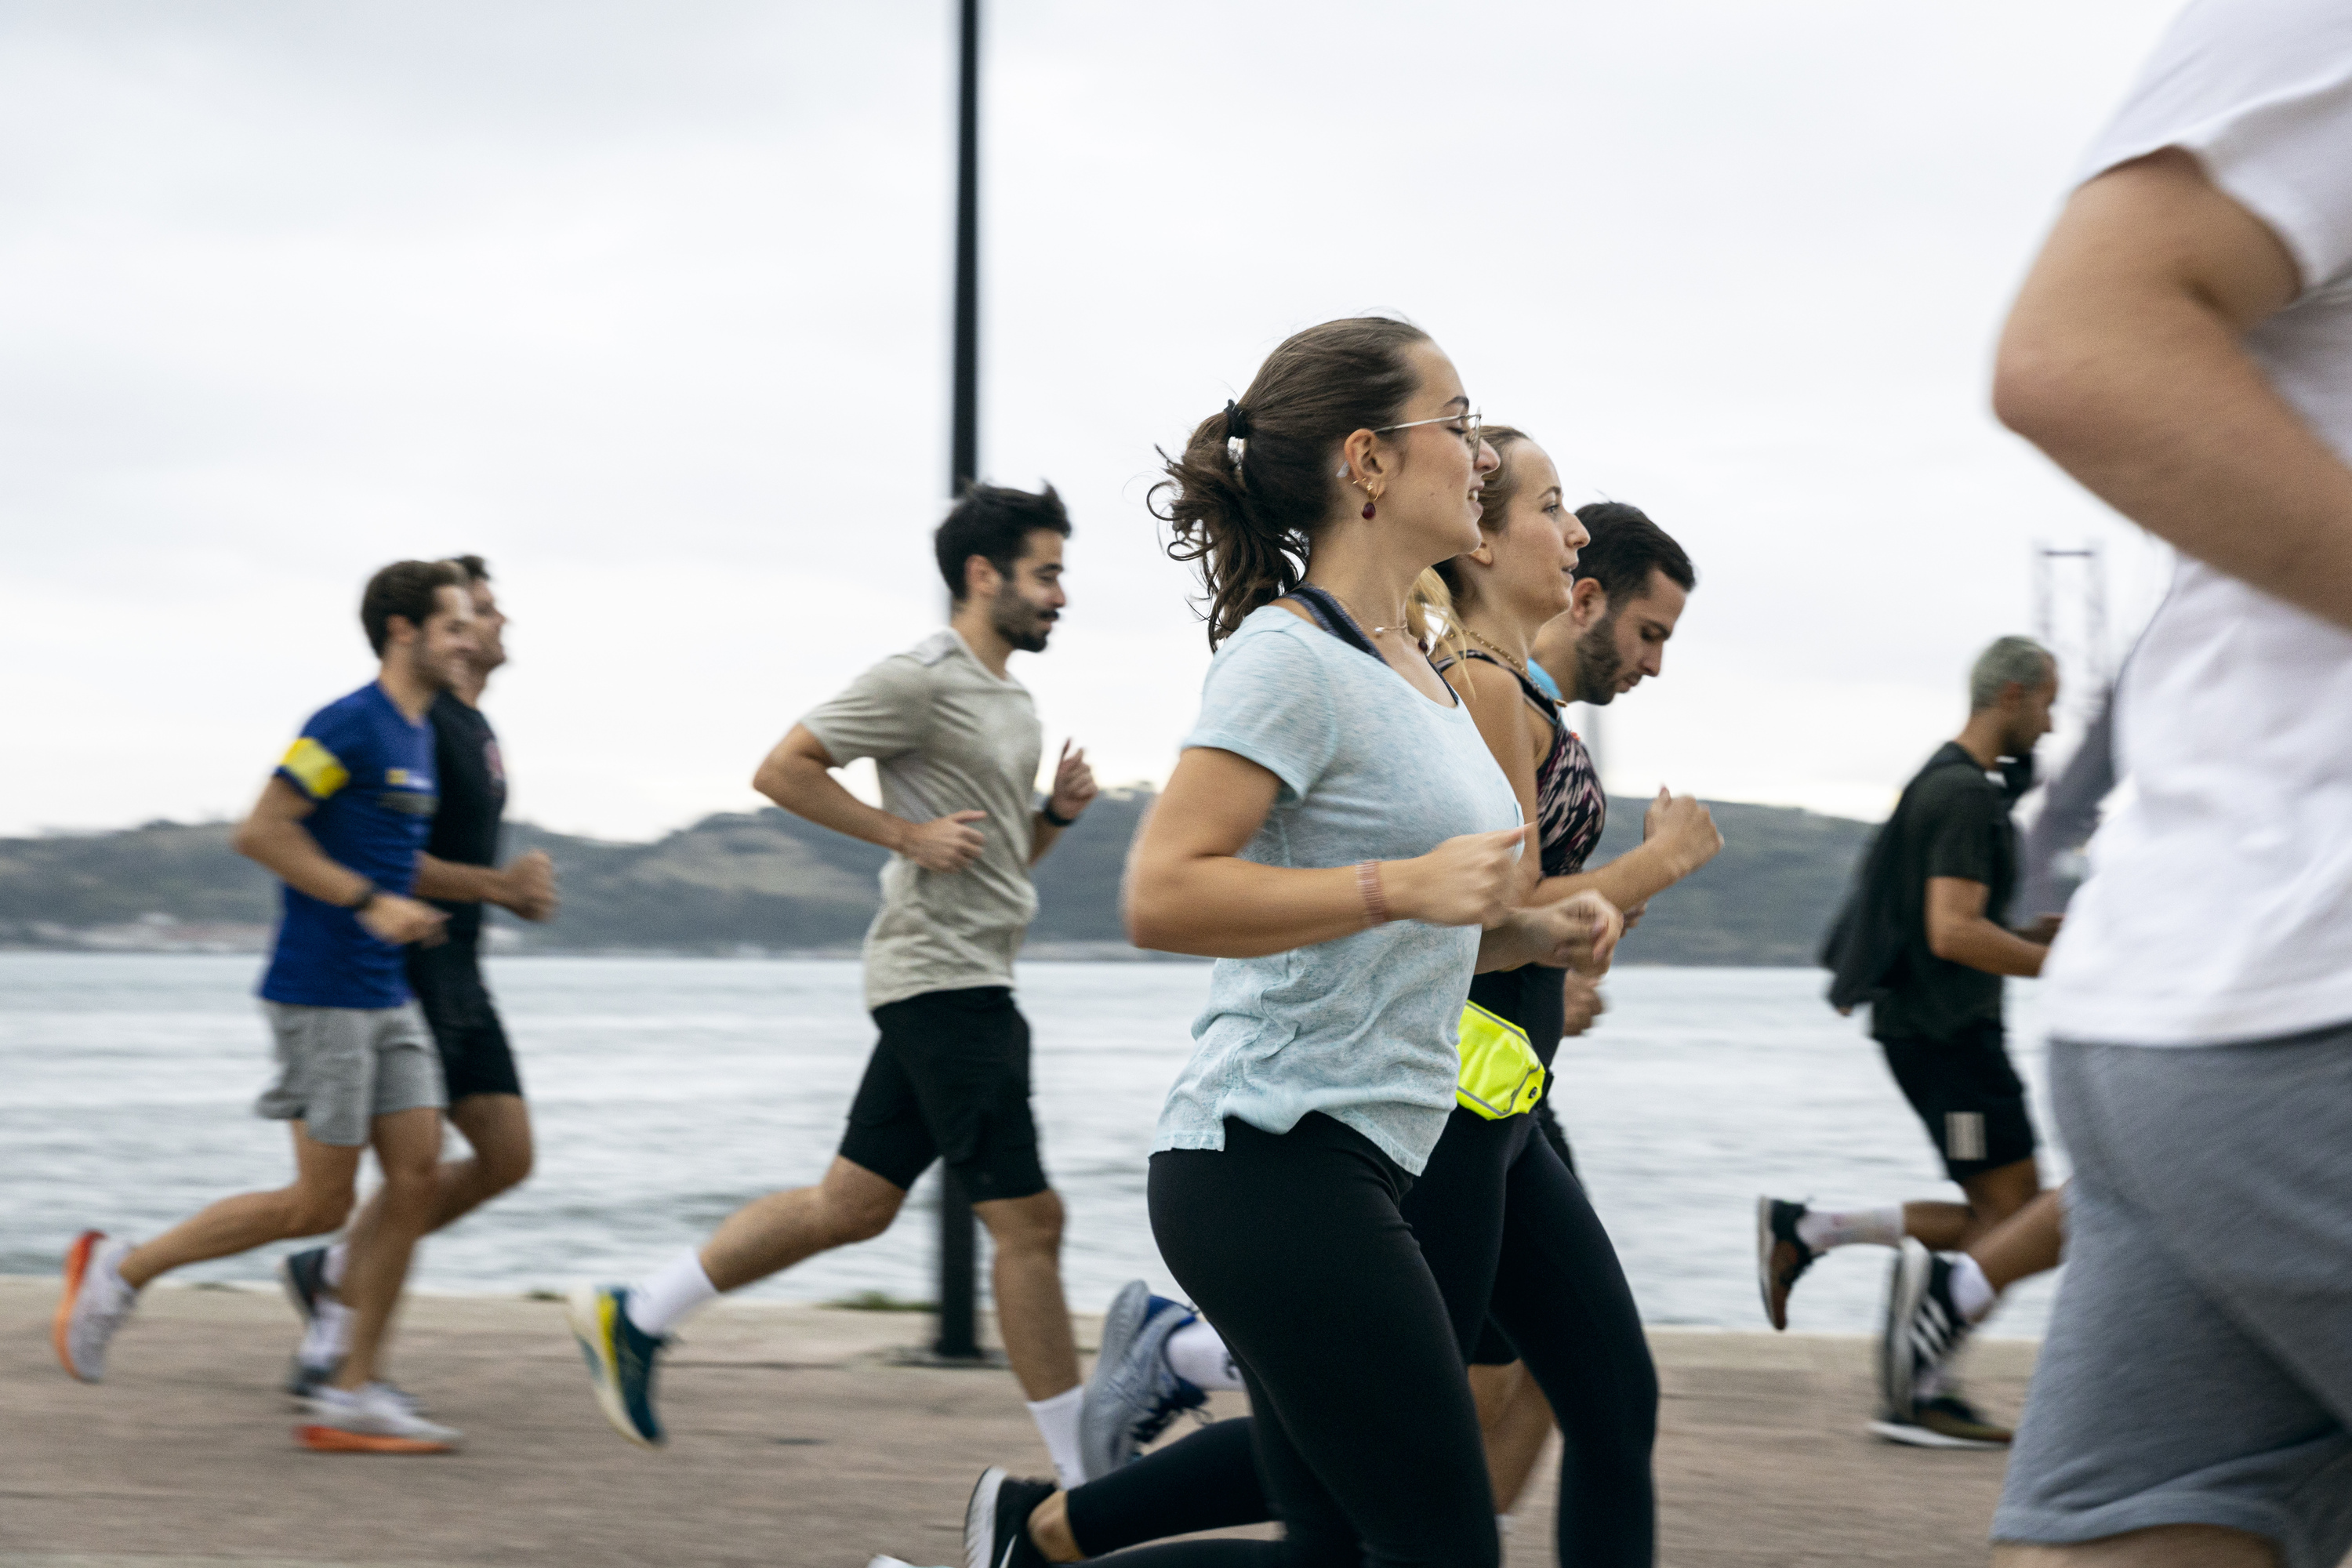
x=473 y=800
x=1954 y=823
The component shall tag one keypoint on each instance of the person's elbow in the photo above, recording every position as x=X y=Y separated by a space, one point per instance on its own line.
x=1146 y=908
x=1947 y=940
x=250 y=837
x=2041 y=388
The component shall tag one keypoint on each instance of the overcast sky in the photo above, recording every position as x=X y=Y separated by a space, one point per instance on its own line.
x=648 y=304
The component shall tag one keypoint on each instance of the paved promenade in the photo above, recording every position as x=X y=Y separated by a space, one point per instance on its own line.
x=796 y=1445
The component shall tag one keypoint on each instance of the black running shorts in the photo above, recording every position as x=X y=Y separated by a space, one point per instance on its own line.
x=475 y=1057
x=1968 y=1095
x=949 y=1081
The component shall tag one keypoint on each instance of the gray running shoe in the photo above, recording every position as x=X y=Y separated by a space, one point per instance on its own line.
x=374 y=1419
x=93 y=1305
x=1134 y=1393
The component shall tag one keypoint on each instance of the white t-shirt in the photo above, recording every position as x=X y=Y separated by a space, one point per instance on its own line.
x=2219 y=904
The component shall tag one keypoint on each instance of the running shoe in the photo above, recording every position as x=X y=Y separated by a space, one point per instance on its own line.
x=303 y=1275
x=304 y=1379
x=1946 y=1421
x=92 y=1306
x=1781 y=1255
x=996 y=1520
x=620 y=1357
x=1924 y=1329
x=1134 y=1393
x=371 y=1420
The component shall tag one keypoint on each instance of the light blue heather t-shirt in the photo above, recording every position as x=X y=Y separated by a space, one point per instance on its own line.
x=1362 y=1028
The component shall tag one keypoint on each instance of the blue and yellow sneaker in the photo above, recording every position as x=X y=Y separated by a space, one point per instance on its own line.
x=620 y=1357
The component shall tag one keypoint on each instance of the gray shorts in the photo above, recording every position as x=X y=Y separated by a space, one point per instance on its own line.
x=2199 y=1367
x=340 y=1067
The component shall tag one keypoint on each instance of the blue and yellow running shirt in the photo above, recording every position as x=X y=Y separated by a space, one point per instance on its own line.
x=368 y=772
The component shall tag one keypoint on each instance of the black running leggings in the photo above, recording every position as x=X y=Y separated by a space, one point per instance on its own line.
x=1363 y=1434
x=1501 y=1224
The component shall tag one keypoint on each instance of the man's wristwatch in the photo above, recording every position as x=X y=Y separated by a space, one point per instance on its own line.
x=1055 y=818
x=369 y=895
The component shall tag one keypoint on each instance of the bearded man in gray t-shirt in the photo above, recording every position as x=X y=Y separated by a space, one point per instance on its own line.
x=956 y=743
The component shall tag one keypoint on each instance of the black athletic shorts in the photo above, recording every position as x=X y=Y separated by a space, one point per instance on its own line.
x=949 y=1081
x=475 y=1057
x=1968 y=1095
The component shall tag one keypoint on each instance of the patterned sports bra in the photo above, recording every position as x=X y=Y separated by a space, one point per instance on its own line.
x=1570 y=806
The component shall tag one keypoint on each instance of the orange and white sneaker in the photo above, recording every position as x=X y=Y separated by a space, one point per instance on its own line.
x=93 y=1305
x=374 y=1418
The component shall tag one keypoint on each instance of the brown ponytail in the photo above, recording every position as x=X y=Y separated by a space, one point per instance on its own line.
x=1248 y=525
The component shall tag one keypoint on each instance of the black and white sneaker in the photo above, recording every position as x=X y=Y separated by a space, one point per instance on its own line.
x=1781 y=1255
x=996 y=1520
x=1924 y=1329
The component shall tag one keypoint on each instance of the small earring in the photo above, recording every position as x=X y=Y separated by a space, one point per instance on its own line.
x=1368 y=511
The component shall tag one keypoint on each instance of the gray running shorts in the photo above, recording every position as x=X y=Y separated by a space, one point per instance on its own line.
x=340 y=1067
x=2199 y=1367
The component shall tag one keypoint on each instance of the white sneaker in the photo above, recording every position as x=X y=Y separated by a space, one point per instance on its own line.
x=93 y=1305
x=374 y=1419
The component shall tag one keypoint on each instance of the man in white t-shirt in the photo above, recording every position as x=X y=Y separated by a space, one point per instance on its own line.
x=2184 y=348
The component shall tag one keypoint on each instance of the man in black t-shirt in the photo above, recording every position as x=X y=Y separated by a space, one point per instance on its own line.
x=485 y=1093
x=1922 y=940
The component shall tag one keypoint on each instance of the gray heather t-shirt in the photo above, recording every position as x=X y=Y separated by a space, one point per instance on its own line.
x=946 y=735
x=1362 y=1029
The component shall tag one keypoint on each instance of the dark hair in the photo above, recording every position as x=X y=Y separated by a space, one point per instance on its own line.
x=1249 y=523
x=1626 y=548
x=409 y=589
x=476 y=569
x=994 y=523
x=1501 y=488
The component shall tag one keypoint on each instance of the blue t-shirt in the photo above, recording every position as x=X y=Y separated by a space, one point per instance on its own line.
x=370 y=772
x=1361 y=1029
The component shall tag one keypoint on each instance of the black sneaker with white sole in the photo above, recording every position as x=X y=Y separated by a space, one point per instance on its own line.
x=1924 y=1329
x=1946 y=1421
x=996 y=1520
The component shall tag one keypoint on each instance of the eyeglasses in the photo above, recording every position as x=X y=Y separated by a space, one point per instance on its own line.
x=1471 y=425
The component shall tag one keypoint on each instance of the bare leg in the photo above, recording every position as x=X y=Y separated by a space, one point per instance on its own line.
x=319 y=1201
x=2167 y=1546
x=499 y=1128
x=1031 y=1313
x=1517 y=1422
x=771 y=1234
x=1993 y=1196
x=2027 y=1243
x=1049 y=1530
x=408 y=1149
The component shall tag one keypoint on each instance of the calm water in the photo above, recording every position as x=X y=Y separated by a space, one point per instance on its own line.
x=669 y=1091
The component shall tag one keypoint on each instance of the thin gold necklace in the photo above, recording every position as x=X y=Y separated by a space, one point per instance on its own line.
x=1515 y=663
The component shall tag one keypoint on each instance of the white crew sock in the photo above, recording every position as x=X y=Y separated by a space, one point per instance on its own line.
x=1057 y=1423
x=1197 y=1354
x=1822 y=1229
x=332 y=1269
x=1972 y=1293
x=1503 y=1525
x=675 y=1290
x=329 y=1337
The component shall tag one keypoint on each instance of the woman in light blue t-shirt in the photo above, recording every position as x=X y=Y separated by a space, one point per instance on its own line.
x=1338 y=835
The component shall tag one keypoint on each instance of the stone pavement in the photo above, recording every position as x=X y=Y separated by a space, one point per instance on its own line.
x=795 y=1442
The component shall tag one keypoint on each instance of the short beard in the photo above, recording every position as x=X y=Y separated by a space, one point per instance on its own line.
x=432 y=676
x=1597 y=663
x=1019 y=623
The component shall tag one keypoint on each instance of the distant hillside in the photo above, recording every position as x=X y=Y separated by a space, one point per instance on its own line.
x=767 y=882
